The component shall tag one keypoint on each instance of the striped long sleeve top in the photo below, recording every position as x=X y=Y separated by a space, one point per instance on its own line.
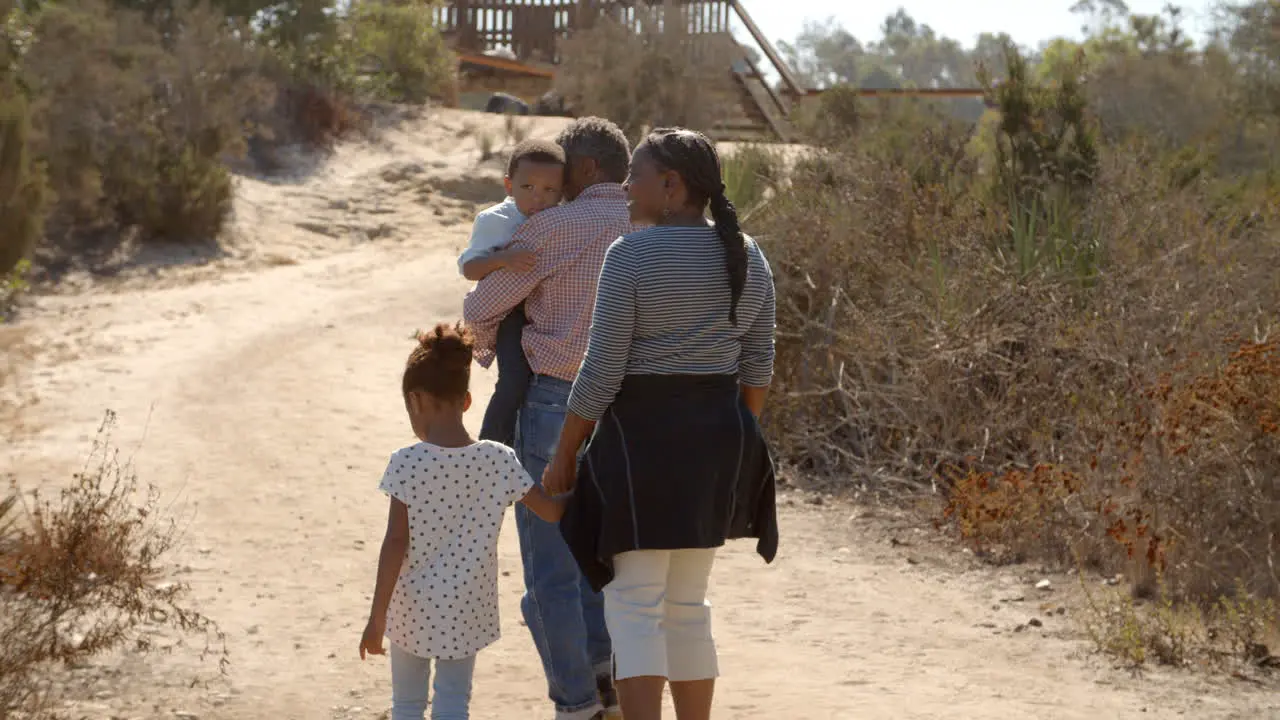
x=662 y=308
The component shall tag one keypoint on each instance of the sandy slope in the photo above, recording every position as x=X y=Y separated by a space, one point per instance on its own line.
x=260 y=392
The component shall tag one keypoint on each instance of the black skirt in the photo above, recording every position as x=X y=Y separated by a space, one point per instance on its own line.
x=677 y=462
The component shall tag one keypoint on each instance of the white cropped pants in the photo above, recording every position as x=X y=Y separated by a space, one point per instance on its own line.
x=658 y=616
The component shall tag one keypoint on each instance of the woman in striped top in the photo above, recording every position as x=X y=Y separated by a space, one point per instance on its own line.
x=670 y=391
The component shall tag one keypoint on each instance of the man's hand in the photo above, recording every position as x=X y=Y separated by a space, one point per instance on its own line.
x=517 y=260
x=371 y=641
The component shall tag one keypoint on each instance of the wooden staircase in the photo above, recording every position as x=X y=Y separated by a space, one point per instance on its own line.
x=766 y=111
x=765 y=114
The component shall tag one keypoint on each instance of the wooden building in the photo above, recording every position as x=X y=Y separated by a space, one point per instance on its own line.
x=529 y=34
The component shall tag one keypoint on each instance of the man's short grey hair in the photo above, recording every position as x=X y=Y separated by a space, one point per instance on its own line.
x=602 y=141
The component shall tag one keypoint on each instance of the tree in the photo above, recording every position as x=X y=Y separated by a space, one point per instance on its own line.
x=1251 y=36
x=907 y=54
x=988 y=53
x=920 y=56
x=1100 y=14
x=824 y=55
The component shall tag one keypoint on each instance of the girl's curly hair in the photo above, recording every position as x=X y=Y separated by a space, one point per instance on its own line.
x=441 y=364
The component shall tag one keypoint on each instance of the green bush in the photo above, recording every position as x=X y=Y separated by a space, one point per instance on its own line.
x=400 y=55
x=82 y=117
x=835 y=117
x=22 y=186
x=750 y=174
x=141 y=140
x=1045 y=164
x=1046 y=143
x=12 y=285
x=182 y=195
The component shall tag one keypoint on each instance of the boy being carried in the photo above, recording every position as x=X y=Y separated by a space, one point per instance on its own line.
x=534 y=182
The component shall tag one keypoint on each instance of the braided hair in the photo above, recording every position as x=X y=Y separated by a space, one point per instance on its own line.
x=693 y=156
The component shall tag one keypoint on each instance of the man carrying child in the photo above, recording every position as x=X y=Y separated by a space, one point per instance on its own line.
x=549 y=269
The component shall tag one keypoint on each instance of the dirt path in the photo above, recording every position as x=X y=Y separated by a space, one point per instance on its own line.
x=264 y=405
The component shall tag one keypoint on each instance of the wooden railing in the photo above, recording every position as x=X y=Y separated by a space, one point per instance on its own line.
x=531 y=29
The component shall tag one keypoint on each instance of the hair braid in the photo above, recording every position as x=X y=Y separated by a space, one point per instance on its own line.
x=694 y=157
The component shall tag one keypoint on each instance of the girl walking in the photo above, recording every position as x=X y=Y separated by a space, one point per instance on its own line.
x=436 y=596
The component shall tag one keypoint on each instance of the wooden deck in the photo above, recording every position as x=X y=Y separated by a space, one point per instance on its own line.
x=532 y=31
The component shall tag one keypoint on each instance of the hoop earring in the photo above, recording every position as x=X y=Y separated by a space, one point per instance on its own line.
x=666 y=213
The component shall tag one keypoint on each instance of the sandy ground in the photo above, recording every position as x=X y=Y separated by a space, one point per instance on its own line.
x=258 y=390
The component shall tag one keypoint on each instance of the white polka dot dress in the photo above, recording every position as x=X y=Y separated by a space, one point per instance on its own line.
x=445 y=604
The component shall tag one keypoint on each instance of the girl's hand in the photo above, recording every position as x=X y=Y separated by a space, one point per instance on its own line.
x=371 y=641
x=560 y=477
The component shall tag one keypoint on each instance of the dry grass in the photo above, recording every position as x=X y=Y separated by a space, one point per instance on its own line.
x=517 y=130
x=487 y=144
x=81 y=575
x=1235 y=635
x=1085 y=370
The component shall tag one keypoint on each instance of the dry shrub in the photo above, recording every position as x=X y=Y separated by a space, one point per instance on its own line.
x=516 y=130
x=861 y=250
x=312 y=114
x=330 y=64
x=649 y=71
x=1039 y=335
x=486 y=144
x=1174 y=100
x=1191 y=105
x=1176 y=495
x=80 y=576
x=1192 y=472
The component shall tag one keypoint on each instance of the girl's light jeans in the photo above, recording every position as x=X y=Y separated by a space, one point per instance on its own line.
x=658 y=616
x=411 y=678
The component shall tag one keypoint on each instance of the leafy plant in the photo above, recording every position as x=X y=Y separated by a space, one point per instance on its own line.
x=1046 y=159
x=12 y=285
x=23 y=193
x=399 y=54
x=750 y=172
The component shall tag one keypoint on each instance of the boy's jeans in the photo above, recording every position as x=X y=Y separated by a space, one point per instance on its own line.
x=410 y=678
x=564 y=616
x=514 y=375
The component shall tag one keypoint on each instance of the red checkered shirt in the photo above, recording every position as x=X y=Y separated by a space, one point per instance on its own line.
x=560 y=292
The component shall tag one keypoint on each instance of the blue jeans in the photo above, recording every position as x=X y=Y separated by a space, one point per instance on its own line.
x=565 y=617
x=410 y=678
x=513 y=381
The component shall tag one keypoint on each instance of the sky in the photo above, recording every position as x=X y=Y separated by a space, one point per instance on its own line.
x=1028 y=22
